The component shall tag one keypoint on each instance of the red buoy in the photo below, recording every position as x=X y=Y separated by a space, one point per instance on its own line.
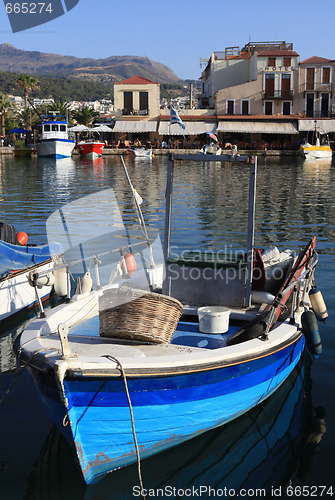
x=130 y=263
x=22 y=237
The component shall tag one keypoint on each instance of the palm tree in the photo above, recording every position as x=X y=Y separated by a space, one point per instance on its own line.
x=60 y=108
x=6 y=106
x=85 y=115
x=27 y=83
x=26 y=118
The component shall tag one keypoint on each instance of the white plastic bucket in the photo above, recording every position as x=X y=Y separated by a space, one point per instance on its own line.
x=213 y=319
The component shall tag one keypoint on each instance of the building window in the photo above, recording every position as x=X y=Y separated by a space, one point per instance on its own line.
x=285 y=85
x=287 y=62
x=271 y=61
x=268 y=107
x=144 y=101
x=325 y=75
x=245 y=108
x=310 y=79
x=128 y=103
x=230 y=107
x=269 y=85
x=309 y=105
x=286 y=108
x=324 y=105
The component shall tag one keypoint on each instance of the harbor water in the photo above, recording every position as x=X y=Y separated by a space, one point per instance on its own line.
x=282 y=448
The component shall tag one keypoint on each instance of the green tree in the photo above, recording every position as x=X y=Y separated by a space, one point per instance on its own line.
x=85 y=115
x=6 y=107
x=27 y=83
x=26 y=118
x=60 y=108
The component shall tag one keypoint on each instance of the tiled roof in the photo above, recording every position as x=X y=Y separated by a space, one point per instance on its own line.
x=274 y=53
x=316 y=60
x=243 y=55
x=136 y=80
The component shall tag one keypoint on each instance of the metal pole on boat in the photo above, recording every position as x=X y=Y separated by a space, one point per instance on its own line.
x=139 y=214
x=251 y=227
x=167 y=230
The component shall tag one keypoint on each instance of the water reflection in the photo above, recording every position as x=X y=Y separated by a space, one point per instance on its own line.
x=270 y=446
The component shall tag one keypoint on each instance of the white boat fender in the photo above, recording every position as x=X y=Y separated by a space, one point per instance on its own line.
x=137 y=197
x=84 y=283
x=60 y=285
x=311 y=332
x=318 y=304
x=35 y=280
x=258 y=297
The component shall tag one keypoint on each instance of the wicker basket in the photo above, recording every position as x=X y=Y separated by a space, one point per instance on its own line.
x=138 y=315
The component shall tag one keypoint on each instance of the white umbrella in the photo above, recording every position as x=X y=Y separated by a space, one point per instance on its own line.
x=79 y=128
x=101 y=128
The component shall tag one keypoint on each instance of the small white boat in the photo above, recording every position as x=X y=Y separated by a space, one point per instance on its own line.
x=139 y=365
x=54 y=142
x=139 y=152
x=19 y=264
x=319 y=146
x=211 y=149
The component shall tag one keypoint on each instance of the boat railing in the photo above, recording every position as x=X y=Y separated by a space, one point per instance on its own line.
x=308 y=271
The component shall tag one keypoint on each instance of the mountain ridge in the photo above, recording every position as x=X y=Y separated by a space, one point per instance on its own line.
x=108 y=70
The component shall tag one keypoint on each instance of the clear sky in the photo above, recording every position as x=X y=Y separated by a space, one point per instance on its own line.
x=178 y=33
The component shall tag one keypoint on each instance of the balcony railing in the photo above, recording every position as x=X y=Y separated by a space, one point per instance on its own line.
x=277 y=94
x=135 y=112
x=318 y=114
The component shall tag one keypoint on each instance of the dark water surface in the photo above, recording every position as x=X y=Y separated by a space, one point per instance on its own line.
x=281 y=442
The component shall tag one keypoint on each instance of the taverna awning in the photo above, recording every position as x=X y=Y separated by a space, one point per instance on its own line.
x=251 y=127
x=136 y=126
x=324 y=125
x=191 y=128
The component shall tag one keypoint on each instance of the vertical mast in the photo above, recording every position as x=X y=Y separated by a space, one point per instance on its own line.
x=251 y=227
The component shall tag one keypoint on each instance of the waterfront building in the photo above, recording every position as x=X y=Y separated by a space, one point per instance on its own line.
x=316 y=95
x=258 y=97
x=260 y=94
x=136 y=108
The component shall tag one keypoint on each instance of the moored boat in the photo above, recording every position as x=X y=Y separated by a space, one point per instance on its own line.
x=139 y=152
x=319 y=146
x=90 y=149
x=137 y=366
x=54 y=142
x=19 y=263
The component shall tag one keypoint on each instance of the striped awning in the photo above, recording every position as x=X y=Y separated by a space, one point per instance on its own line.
x=253 y=127
x=136 y=126
x=191 y=128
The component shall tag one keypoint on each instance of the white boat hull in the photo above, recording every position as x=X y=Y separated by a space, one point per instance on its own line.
x=55 y=148
x=17 y=294
x=317 y=152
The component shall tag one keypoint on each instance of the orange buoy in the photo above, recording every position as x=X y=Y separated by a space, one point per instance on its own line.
x=130 y=263
x=22 y=237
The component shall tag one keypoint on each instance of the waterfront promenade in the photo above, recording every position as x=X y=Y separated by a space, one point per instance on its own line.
x=165 y=152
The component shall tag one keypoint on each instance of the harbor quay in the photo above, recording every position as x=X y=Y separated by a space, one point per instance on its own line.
x=165 y=152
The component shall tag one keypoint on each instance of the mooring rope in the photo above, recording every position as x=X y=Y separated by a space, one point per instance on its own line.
x=19 y=371
x=132 y=420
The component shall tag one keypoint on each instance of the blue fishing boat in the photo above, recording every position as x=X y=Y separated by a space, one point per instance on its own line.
x=165 y=353
x=54 y=141
x=263 y=448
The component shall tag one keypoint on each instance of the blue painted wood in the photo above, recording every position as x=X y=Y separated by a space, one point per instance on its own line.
x=167 y=410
